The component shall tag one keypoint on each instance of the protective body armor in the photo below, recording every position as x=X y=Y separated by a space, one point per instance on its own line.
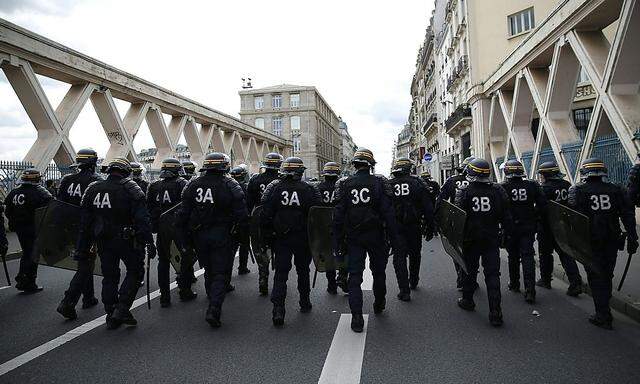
x=163 y=195
x=211 y=198
x=327 y=190
x=22 y=202
x=73 y=186
x=257 y=185
x=450 y=187
x=287 y=203
x=362 y=196
x=142 y=183
x=486 y=205
x=526 y=200
x=408 y=192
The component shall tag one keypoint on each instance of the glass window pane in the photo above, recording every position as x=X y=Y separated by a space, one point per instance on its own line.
x=258 y=102
x=295 y=100
x=527 y=24
x=259 y=123
x=518 y=24
x=295 y=123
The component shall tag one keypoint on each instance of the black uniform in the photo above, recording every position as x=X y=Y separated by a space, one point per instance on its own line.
x=142 y=183
x=4 y=244
x=115 y=217
x=212 y=205
x=242 y=248
x=327 y=190
x=255 y=190
x=72 y=188
x=448 y=192
x=286 y=203
x=526 y=203
x=363 y=208
x=432 y=190
x=487 y=208
x=21 y=204
x=557 y=190
x=163 y=195
x=606 y=205
x=413 y=207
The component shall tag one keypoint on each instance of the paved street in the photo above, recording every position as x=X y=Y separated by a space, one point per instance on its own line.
x=427 y=340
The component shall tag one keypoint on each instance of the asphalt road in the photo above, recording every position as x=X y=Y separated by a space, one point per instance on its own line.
x=427 y=340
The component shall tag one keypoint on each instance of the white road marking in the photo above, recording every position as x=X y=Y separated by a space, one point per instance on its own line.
x=5 y=287
x=367 y=280
x=72 y=334
x=344 y=360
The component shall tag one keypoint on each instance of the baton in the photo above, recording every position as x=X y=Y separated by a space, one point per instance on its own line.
x=6 y=270
x=624 y=274
x=253 y=258
x=315 y=276
x=148 y=289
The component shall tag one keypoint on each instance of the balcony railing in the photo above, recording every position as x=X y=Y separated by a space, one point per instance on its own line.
x=462 y=112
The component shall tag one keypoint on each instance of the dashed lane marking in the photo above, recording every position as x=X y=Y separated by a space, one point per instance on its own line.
x=344 y=360
x=72 y=334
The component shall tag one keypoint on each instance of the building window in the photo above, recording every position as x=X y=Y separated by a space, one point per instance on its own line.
x=296 y=144
x=521 y=22
x=581 y=118
x=276 y=101
x=295 y=100
x=259 y=123
x=295 y=124
x=277 y=126
x=258 y=102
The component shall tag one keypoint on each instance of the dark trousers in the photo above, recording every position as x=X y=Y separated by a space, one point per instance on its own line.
x=243 y=255
x=490 y=255
x=413 y=242
x=111 y=251
x=334 y=278
x=81 y=283
x=28 y=267
x=164 y=262
x=263 y=260
x=214 y=250
x=296 y=246
x=601 y=283
x=521 y=251
x=185 y=277
x=372 y=243
x=546 y=245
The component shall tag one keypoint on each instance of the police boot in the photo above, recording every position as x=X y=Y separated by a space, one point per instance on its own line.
x=186 y=294
x=165 y=299
x=495 y=317
x=20 y=282
x=332 y=287
x=111 y=322
x=602 y=321
x=404 y=296
x=305 y=305
x=342 y=282
x=379 y=306
x=514 y=286
x=466 y=304
x=230 y=287
x=278 y=315
x=67 y=310
x=414 y=283
x=89 y=303
x=544 y=283
x=357 y=322
x=530 y=296
x=263 y=285
x=32 y=287
x=575 y=289
x=124 y=316
x=459 y=282
x=213 y=316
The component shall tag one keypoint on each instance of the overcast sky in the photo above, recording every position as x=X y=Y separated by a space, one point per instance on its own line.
x=360 y=54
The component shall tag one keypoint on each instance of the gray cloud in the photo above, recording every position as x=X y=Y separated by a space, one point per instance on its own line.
x=57 y=7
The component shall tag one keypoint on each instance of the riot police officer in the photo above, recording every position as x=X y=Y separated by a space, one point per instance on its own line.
x=433 y=188
x=72 y=188
x=286 y=203
x=555 y=188
x=239 y=174
x=21 y=204
x=448 y=192
x=189 y=169
x=363 y=208
x=330 y=174
x=527 y=202
x=4 y=244
x=213 y=210
x=606 y=205
x=136 y=175
x=412 y=207
x=256 y=187
x=163 y=195
x=114 y=217
x=488 y=216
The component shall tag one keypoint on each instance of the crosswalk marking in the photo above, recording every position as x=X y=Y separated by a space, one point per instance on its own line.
x=343 y=364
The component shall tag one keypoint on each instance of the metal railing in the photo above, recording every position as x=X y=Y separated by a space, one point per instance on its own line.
x=463 y=111
x=10 y=172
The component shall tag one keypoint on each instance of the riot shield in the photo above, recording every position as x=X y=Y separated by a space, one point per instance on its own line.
x=168 y=230
x=258 y=244
x=57 y=227
x=572 y=232
x=319 y=223
x=451 y=221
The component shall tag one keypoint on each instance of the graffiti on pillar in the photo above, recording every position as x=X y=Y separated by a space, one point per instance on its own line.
x=116 y=137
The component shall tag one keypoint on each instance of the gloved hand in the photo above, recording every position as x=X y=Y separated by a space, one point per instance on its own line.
x=151 y=251
x=632 y=245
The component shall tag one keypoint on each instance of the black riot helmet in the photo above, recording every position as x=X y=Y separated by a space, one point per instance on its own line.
x=330 y=169
x=593 y=167
x=272 y=161
x=171 y=168
x=30 y=176
x=478 y=170
x=513 y=169
x=425 y=175
x=402 y=165
x=136 y=169
x=462 y=168
x=293 y=167
x=363 y=156
x=189 y=168
x=216 y=162
x=238 y=173
x=550 y=170
x=119 y=165
x=86 y=158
